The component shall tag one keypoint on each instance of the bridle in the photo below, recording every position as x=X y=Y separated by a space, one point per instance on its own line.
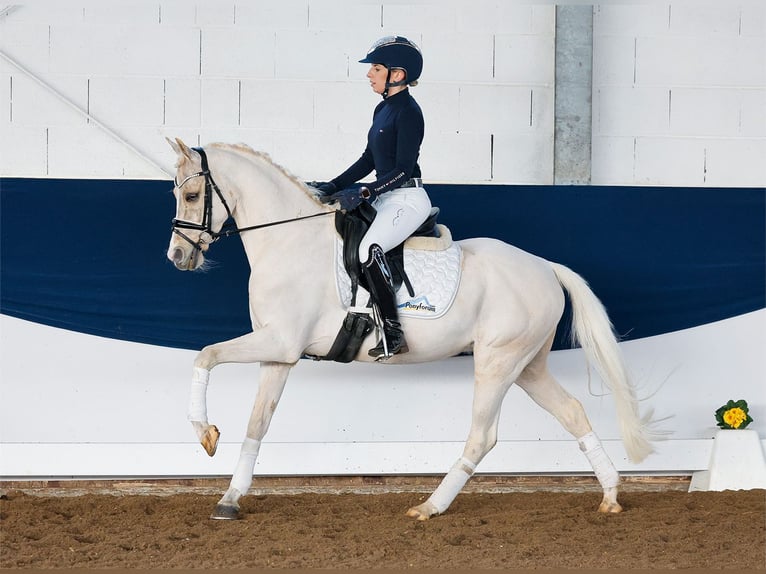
x=205 y=226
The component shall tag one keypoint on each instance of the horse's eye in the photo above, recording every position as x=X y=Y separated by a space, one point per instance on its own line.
x=192 y=197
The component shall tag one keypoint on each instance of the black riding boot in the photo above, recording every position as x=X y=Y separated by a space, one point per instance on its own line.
x=381 y=288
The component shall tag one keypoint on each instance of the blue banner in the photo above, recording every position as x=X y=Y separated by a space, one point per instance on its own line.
x=89 y=255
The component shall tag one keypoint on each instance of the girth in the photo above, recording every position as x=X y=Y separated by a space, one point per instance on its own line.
x=352 y=227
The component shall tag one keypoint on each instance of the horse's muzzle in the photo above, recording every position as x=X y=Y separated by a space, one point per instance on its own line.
x=182 y=260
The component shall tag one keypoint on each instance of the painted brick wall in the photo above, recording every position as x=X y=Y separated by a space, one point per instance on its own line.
x=679 y=94
x=679 y=90
x=281 y=76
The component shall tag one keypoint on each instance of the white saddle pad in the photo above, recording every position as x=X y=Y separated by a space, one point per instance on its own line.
x=433 y=265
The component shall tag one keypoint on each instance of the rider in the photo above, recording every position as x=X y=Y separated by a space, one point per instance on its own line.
x=393 y=147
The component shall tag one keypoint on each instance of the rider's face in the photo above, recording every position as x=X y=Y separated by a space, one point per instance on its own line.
x=377 y=76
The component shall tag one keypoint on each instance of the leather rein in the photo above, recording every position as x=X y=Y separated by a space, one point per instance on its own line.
x=205 y=227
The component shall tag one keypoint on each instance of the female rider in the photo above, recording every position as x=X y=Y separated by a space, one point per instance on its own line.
x=393 y=147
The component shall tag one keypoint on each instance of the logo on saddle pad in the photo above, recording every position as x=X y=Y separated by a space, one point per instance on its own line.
x=433 y=265
x=420 y=304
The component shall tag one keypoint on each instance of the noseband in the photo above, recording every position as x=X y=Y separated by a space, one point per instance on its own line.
x=205 y=227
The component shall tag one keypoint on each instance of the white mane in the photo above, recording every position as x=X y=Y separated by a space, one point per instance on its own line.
x=246 y=150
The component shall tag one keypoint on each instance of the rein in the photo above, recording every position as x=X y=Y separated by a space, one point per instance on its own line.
x=205 y=227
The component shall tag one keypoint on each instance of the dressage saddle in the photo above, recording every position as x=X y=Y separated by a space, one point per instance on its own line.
x=356 y=326
x=354 y=224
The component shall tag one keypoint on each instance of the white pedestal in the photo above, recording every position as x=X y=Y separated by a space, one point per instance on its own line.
x=736 y=463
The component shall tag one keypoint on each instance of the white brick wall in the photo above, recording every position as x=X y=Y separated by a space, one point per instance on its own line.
x=679 y=94
x=282 y=75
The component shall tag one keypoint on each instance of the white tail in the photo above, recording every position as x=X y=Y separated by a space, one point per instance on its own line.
x=592 y=329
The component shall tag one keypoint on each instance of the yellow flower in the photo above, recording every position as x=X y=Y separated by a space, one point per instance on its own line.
x=735 y=417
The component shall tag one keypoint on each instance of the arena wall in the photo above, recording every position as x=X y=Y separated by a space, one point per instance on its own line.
x=89 y=90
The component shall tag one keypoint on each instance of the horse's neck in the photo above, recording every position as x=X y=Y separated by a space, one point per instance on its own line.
x=266 y=195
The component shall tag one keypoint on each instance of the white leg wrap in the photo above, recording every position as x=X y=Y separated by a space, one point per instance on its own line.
x=243 y=475
x=453 y=483
x=198 y=399
x=605 y=472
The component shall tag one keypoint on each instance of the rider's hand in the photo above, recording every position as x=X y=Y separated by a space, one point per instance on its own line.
x=325 y=188
x=349 y=198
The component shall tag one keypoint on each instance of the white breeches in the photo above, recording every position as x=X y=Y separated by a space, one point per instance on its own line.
x=400 y=212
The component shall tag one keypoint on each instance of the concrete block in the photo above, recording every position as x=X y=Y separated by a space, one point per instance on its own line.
x=220 y=103
x=630 y=111
x=345 y=15
x=313 y=155
x=523 y=159
x=421 y=16
x=704 y=112
x=258 y=139
x=238 y=52
x=47 y=12
x=182 y=102
x=343 y=107
x=33 y=105
x=704 y=19
x=495 y=109
x=27 y=44
x=330 y=56
x=129 y=13
x=753 y=114
x=6 y=98
x=106 y=157
x=279 y=105
x=23 y=151
x=612 y=160
x=113 y=50
x=543 y=20
x=456 y=158
x=670 y=161
x=525 y=59
x=283 y=15
x=505 y=18
x=614 y=60
x=127 y=101
x=753 y=19
x=215 y=14
x=688 y=61
x=636 y=19
x=440 y=104
x=460 y=55
x=177 y=13
x=735 y=162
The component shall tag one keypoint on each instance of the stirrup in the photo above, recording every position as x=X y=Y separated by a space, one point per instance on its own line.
x=392 y=342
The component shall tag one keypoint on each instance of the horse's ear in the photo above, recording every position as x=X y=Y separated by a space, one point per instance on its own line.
x=181 y=148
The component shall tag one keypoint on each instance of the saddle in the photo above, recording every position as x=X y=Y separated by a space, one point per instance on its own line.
x=357 y=325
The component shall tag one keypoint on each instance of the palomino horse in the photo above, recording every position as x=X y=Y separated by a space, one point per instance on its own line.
x=506 y=310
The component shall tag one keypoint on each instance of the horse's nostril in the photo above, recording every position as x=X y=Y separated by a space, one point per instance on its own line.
x=178 y=255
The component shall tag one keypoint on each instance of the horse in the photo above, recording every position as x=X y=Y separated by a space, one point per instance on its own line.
x=505 y=313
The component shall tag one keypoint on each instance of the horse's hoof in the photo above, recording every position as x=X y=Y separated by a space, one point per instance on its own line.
x=225 y=512
x=422 y=512
x=210 y=439
x=609 y=507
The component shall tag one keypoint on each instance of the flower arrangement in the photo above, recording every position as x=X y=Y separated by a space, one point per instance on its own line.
x=733 y=415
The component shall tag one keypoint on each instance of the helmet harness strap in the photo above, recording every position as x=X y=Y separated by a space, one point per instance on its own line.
x=390 y=84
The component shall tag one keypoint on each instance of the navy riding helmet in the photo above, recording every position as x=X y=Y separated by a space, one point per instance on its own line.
x=397 y=52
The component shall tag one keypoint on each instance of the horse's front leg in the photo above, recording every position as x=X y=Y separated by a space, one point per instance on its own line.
x=272 y=381
x=251 y=348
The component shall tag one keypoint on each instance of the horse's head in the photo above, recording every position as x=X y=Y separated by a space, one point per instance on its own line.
x=201 y=209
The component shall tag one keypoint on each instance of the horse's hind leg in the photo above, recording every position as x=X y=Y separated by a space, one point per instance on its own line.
x=273 y=377
x=491 y=385
x=546 y=391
